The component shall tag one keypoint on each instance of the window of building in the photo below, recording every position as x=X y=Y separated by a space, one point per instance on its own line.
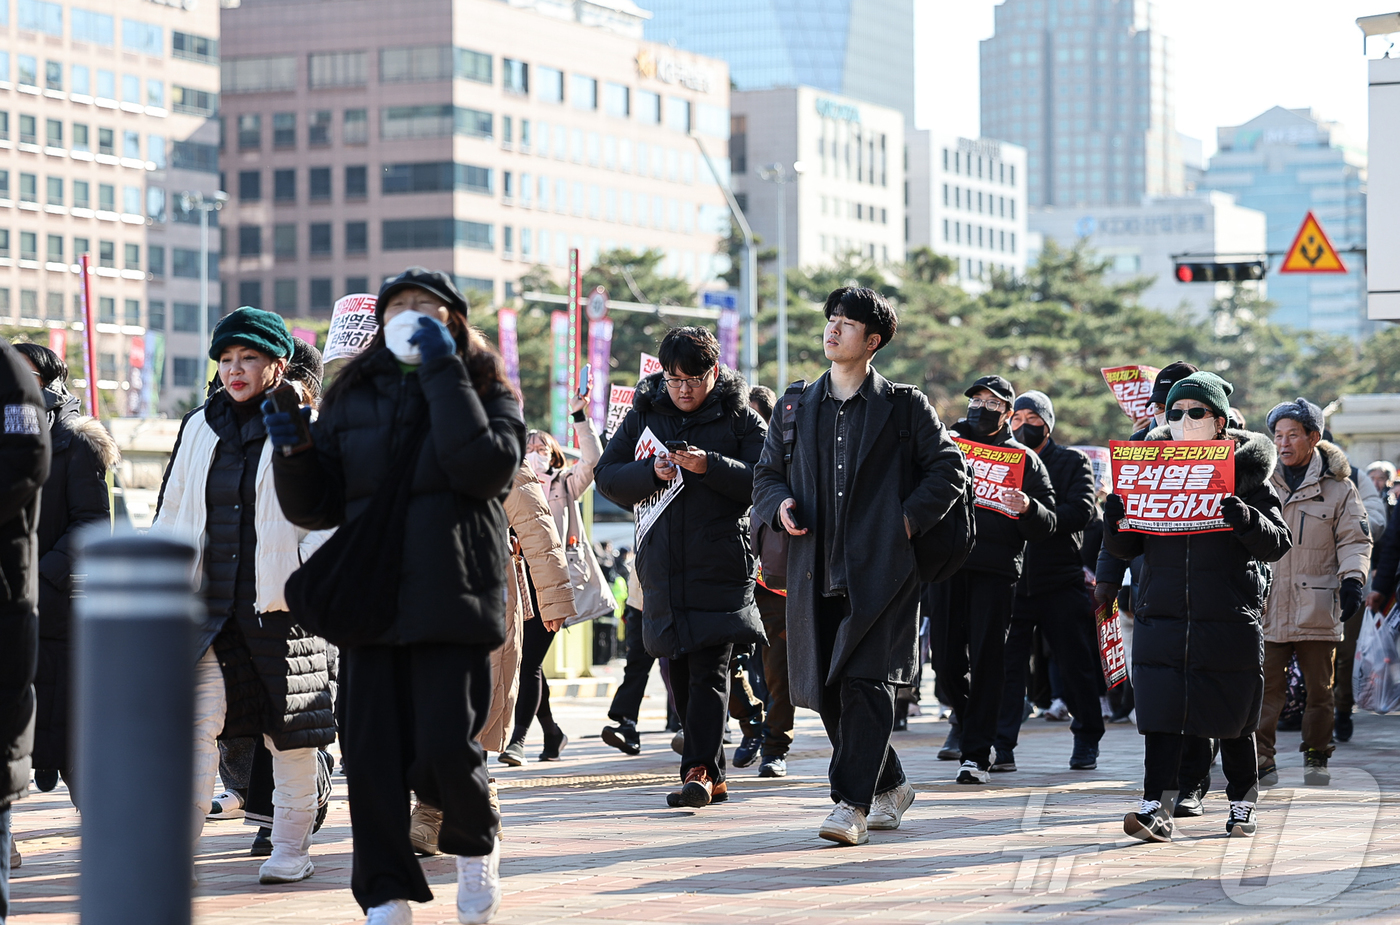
x=28 y=70
x=184 y=371
x=155 y=94
x=320 y=183
x=473 y=123
x=515 y=76
x=418 y=234
x=190 y=47
x=107 y=254
x=354 y=284
x=53 y=134
x=96 y=28
x=190 y=101
x=284 y=295
x=131 y=256
x=53 y=304
x=250 y=293
x=131 y=145
x=478 y=235
x=131 y=89
x=284 y=185
x=155 y=264
x=337 y=69
x=249 y=131
x=356 y=182
x=106 y=197
x=418 y=63
x=155 y=314
x=430 y=121
x=356 y=237
x=28 y=303
x=184 y=263
x=320 y=238
x=321 y=298
x=284 y=241
x=356 y=128
x=55 y=191
x=155 y=151
x=249 y=185
x=184 y=316
x=106 y=141
x=250 y=240
x=549 y=84
x=28 y=187
x=107 y=314
x=106 y=85
x=617 y=100
x=318 y=128
x=38 y=16
x=583 y=92
x=80 y=79
x=192 y=155
x=53 y=75
x=54 y=251
x=648 y=107
x=473 y=65
x=143 y=38
x=284 y=130
x=28 y=130
x=131 y=311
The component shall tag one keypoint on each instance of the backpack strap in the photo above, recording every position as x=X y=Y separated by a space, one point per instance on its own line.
x=904 y=420
x=788 y=405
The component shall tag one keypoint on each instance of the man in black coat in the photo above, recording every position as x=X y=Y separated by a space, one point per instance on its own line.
x=853 y=583
x=24 y=465
x=1052 y=596
x=968 y=630
x=692 y=422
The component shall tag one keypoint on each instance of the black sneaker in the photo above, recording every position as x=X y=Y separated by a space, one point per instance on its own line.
x=513 y=754
x=1343 y=729
x=773 y=766
x=623 y=737
x=1085 y=756
x=1005 y=763
x=46 y=780
x=1315 y=773
x=952 y=746
x=972 y=772
x=1189 y=807
x=747 y=752
x=1268 y=775
x=1241 y=821
x=554 y=745
x=1149 y=823
x=262 y=843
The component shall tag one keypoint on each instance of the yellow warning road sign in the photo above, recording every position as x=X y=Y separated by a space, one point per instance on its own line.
x=1312 y=251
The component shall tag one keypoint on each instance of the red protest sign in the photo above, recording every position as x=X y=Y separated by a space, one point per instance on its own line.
x=1172 y=488
x=1112 y=655
x=995 y=471
x=1132 y=386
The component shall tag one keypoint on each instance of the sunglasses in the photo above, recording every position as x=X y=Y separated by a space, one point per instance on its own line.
x=1195 y=414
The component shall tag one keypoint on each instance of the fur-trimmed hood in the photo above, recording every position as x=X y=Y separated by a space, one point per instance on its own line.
x=1255 y=456
x=66 y=423
x=730 y=391
x=101 y=442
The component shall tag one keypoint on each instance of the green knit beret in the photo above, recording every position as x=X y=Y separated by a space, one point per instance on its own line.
x=252 y=327
x=1206 y=388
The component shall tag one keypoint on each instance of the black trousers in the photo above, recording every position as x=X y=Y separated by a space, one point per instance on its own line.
x=412 y=715
x=533 y=701
x=858 y=714
x=627 y=702
x=969 y=637
x=1066 y=621
x=700 y=681
x=1170 y=760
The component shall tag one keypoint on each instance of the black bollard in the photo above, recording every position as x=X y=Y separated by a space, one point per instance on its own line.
x=137 y=621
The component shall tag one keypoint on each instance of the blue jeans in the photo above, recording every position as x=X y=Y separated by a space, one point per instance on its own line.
x=4 y=864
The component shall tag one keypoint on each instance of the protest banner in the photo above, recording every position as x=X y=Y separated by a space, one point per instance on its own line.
x=650 y=364
x=1132 y=387
x=353 y=326
x=600 y=332
x=995 y=471
x=559 y=377
x=1112 y=655
x=647 y=511
x=1173 y=488
x=1098 y=459
x=619 y=403
x=507 y=332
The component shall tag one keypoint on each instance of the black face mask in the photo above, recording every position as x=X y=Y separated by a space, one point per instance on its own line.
x=983 y=421
x=1032 y=435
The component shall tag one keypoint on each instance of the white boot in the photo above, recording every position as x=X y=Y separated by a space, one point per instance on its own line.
x=479 y=886
x=291 y=847
x=394 y=912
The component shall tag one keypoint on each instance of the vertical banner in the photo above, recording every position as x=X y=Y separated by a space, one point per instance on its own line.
x=136 y=375
x=599 y=355
x=728 y=305
x=58 y=342
x=1132 y=387
x=155 y=369
x=90 y=333
x=1171 y=488
x=559 y=379
x=574 y=335
x=507 y=325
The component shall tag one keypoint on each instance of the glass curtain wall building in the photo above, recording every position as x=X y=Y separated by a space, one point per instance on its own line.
x=1085 y=87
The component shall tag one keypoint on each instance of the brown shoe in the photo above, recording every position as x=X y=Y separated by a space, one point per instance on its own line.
x=697 y=791
x=423 y=829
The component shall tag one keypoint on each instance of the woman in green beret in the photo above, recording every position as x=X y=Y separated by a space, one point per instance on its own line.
x=258 y=672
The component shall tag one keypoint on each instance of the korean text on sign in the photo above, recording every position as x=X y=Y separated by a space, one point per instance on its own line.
x=1112 y=655
x=1172 y=487
x=1132 y=387
x=353 y=326
x=996 y=470
x=649 y=510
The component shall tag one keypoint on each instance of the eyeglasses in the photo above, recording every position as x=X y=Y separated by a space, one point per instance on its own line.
x=1196 y=414
x=693 y=382
x=989 y=403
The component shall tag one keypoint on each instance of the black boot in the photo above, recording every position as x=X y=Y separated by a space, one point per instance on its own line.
x=46 y=780
x=952 y=746
x=262 y=843
x=554 y=744
x=623 y=737
x=1343 y=729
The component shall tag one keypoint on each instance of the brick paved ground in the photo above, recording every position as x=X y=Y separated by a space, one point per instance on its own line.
x=590 y=840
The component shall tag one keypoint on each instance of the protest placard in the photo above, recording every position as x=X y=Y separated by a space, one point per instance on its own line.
x=619 y=403
x=995 y=471
x=650 y=364
x=1103 y=470
x=648 y=510
x=1112 y=655
x=1132 y=387
x=1170 y=487
x=353 y=326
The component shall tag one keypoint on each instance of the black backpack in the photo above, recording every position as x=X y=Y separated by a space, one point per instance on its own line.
x=941 y=550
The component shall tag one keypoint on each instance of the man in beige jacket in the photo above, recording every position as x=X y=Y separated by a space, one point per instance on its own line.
x=1316 y=585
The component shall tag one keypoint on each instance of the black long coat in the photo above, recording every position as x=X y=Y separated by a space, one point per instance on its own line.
x=24 y=465
x=1057 y=561
x=1198 y=641
x=695 y=566
x=880 y=639
x=75 y=494
x=454 y=564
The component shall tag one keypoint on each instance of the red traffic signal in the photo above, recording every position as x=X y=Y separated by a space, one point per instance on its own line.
x=1220 y=272
x=1184 y=272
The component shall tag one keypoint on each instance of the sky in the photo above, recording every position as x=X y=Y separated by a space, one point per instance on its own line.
x=1232 y=60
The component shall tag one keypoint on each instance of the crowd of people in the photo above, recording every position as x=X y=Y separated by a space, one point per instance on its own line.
x=389 y=565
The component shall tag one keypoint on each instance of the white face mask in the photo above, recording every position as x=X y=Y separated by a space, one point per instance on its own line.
x=1194 y=431
x=539 y=462
x=397 y=332
x=1160 y=418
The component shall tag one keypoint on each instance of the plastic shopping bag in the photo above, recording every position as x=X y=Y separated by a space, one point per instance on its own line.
x=1375 y=676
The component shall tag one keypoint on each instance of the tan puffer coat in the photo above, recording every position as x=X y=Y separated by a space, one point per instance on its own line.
x=1329 y=545
x=532 y=521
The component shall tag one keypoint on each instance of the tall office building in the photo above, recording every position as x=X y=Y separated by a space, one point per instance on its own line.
x=104 y=123
x=477 y=137
x=862 y=49
x=1285 y=163
x=1085 y=87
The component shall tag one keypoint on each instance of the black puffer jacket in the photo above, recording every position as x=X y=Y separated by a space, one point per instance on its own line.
x=1057 y=561
x=1001 y=540
x=454 y=564
x=1198 y=644
x=75 y=495
x=695 y=566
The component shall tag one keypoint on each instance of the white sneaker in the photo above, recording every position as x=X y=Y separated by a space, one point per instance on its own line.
x=227 y=805
x=285 y=866
x=845 y=826
x=1058 y=712
x=394 y=912
x=972 y=773
x=887 y=810
x=479 y=886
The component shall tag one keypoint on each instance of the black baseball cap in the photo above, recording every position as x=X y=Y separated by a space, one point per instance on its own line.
x=1168 y=377
x=997 y=385
x=434 y=281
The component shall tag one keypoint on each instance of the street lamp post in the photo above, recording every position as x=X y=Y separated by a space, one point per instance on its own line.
x=188 y=202
x=782 y=175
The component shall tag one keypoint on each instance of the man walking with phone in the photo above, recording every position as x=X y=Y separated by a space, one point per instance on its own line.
x=830 y=476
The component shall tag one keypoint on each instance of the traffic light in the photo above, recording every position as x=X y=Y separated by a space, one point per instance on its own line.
x=1219 y=272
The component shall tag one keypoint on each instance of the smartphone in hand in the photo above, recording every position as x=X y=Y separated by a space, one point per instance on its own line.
x=676 y=446
x=584 y=379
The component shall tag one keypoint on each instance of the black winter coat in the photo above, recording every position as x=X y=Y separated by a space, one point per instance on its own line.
x=695 y=566
x=1198 y=642
x=455 y=558
x=75 y=494
x=24 y=466
x=1057 y=561
x=1386 y=561
x=1001 y=540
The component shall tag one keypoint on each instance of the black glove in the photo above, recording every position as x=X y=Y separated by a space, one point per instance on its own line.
x=281 y=429
x=1237 y=514
x=1105 y=592
x=1351 y=597
x=1113 y=511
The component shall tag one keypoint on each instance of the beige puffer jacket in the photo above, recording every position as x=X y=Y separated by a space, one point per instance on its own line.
x=1329 y=545
x=531 y=519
